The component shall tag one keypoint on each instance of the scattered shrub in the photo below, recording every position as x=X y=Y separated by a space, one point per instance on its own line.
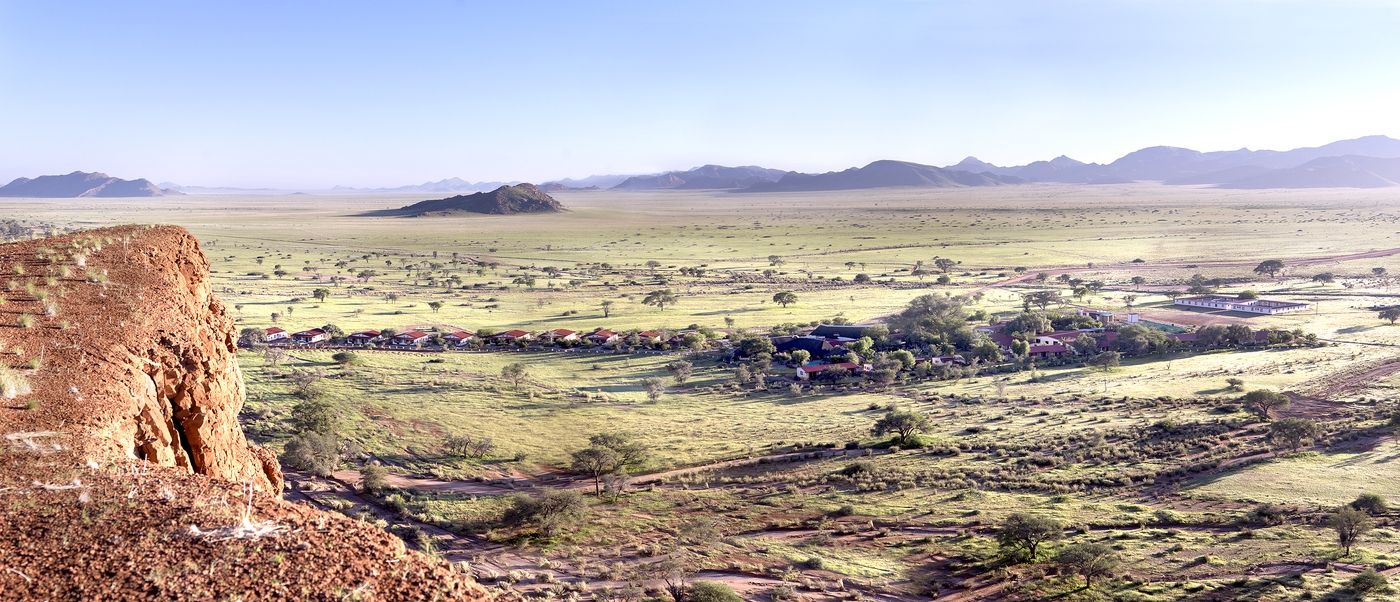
x=316 y=453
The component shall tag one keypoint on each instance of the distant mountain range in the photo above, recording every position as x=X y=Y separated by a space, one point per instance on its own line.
x=1358 y=163
x=880 y=174
x=1367 y=162
x=82 y=184
x=448 y=185
x=505 y=200
x=1347 y=163
x=702 y=178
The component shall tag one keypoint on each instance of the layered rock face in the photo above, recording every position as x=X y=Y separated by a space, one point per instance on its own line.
x=137 y=352
x=124 y=473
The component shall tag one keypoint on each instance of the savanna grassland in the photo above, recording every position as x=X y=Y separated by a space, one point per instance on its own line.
x=1157 y=465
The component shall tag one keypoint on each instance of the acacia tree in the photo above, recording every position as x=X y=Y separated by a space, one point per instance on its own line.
x=606 y=305
x=550 y=512
x=321 y=294
x=1269 y=266
x=904 y=423
x=1293 y=432
x=1350 y=524
x=785 y=298
x=944 y=264
x=1265 y=401
x=435 y=305
x=1042 y=299
x=660 y=298
x=1088 y=560
x=1391 y=313
x=515 y=373
x=1022 y=534
x=654 y=386
x=608 y=453
x=680 y=370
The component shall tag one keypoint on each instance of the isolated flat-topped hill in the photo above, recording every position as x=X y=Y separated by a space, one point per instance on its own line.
x=506 y=200
x=82 y=184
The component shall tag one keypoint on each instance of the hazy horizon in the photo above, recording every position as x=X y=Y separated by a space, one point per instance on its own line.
x=312 y=96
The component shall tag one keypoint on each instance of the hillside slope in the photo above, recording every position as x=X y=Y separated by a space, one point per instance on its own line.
x=119 y=400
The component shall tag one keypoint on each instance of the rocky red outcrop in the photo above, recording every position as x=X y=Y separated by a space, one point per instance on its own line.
x=119 y=401
x=136 y=354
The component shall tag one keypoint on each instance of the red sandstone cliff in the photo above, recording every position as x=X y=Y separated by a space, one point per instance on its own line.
x=119 y=401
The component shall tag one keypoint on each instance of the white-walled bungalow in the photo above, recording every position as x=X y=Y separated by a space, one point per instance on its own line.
x=307 y=337
x=511 y=336
x=600 y=337
x=277 y=334
x=362 y=338
x=458 y=337
x=1228 y=303
x=559 y=334
x=807 y=372
x=411 y=338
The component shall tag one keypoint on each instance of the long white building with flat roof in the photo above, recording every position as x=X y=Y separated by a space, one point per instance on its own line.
x=1253 y=306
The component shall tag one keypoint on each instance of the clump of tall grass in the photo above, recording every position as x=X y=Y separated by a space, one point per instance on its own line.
x=80 y=259
x=13 y=384
x=25 y=321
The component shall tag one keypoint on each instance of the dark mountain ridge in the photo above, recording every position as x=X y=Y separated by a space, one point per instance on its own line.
x=506 y=200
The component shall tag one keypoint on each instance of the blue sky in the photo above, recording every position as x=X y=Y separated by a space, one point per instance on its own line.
x=314 y=94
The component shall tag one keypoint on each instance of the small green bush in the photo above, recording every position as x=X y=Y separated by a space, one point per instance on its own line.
x=711 y=591
x=1369 y=582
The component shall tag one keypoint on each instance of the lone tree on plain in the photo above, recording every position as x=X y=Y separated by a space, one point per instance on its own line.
x=1042 y=299
x=785 y=298
x=1269 y=266
x=1391 y=313
x=1129 y=300
x=1293 y=432
x=1350 y=524
x=321 y=294
x=680 y=370
x=905 y=423
x=435 y=305
x=606 y=305
x=944 y=264
x=607 y=454
x=652 y=264
x=660 y=298
x=1265 y=401
x=654 y=386
x=1088 y=560
x=515 y=373
x=1021 y=534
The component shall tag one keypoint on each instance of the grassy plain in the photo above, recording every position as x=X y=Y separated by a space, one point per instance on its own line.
x=1059 y=442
